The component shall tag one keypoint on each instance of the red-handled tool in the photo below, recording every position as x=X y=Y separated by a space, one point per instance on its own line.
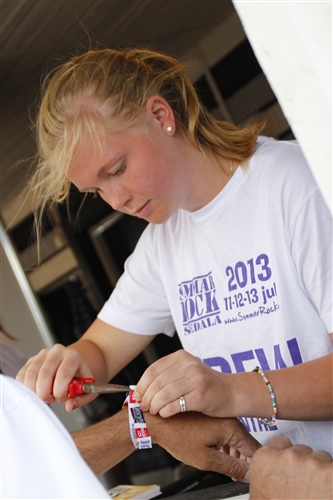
x=87 y=385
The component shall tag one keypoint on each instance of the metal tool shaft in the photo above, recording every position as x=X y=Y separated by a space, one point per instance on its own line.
x=104 y=389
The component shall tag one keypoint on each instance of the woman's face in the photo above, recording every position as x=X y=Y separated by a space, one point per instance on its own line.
x=138 y=173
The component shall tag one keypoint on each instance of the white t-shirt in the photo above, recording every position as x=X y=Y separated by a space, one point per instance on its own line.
x=245 y=281
x=39 y=458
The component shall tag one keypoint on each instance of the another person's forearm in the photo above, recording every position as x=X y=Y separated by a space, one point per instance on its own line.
x=192 y=438
x=106 y=443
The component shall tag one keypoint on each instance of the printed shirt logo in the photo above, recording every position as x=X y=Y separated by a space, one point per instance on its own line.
x=199 y=304
x=252 y=293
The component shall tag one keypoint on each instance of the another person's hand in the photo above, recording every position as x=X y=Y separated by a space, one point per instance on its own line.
x=280 y=470
x=181 y=374
x=51 y=370
x=212 y=444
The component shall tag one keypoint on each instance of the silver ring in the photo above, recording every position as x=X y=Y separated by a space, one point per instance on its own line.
x=182 y=403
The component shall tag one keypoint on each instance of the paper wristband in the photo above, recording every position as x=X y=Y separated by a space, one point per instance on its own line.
x=140 y=436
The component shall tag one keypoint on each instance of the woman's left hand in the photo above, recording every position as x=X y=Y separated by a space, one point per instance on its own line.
x=180 y=374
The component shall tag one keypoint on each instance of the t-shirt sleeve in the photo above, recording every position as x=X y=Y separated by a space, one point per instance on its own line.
x=138 y=303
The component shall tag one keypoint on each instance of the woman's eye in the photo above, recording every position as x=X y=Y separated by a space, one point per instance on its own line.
x=117 y=170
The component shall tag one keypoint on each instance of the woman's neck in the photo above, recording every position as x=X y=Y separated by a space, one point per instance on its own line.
x=209 y=174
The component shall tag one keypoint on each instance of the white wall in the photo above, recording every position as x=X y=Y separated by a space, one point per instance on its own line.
x=292 y=41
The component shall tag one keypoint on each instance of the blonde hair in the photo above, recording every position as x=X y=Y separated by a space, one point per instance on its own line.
x=91 y=92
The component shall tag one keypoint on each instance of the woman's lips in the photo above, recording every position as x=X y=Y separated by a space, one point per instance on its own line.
x=142 y=211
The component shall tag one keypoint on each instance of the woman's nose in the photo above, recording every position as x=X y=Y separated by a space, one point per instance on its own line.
x=118 y=200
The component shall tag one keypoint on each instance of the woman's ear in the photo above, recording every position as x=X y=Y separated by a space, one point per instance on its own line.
x=159 y=110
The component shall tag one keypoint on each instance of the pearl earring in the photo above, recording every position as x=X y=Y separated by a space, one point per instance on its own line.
x=169 y=129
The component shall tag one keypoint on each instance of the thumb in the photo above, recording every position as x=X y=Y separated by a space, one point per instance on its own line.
x=234 y=467
x=79 y=401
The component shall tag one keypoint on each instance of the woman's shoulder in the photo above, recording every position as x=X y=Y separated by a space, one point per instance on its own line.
x=270 y=149
x=282 y=162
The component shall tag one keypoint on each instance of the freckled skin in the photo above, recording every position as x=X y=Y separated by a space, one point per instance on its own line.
x=147 y=175
x=159 y=172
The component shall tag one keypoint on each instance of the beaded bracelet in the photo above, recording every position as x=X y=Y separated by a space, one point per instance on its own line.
x=139 y=433
x=272 y=420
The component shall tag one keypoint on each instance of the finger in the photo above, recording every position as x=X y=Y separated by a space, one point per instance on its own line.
x=167 y=387
x=234 y=452
x=79 y=401
x=231 y=466
x=167 y=401
x=71 y=366
x=48 y=372
x=279 y=443
x=229 y=450
x=191 y=379
x=27 y=379
x=302 y=449
x=152 y=372
x=21 y=373
x=225 y=449
x=32 y=373
x=163 y=390
x=212 y=459
x=323 y=457
x=234 y=434
x=170 y=409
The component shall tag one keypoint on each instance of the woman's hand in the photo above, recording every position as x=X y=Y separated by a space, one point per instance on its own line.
x=181 y=374
x=51 y=370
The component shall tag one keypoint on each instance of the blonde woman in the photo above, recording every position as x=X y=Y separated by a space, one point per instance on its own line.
x=237 y=256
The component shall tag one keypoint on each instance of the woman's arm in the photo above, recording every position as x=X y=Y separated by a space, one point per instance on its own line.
x=303 y=392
